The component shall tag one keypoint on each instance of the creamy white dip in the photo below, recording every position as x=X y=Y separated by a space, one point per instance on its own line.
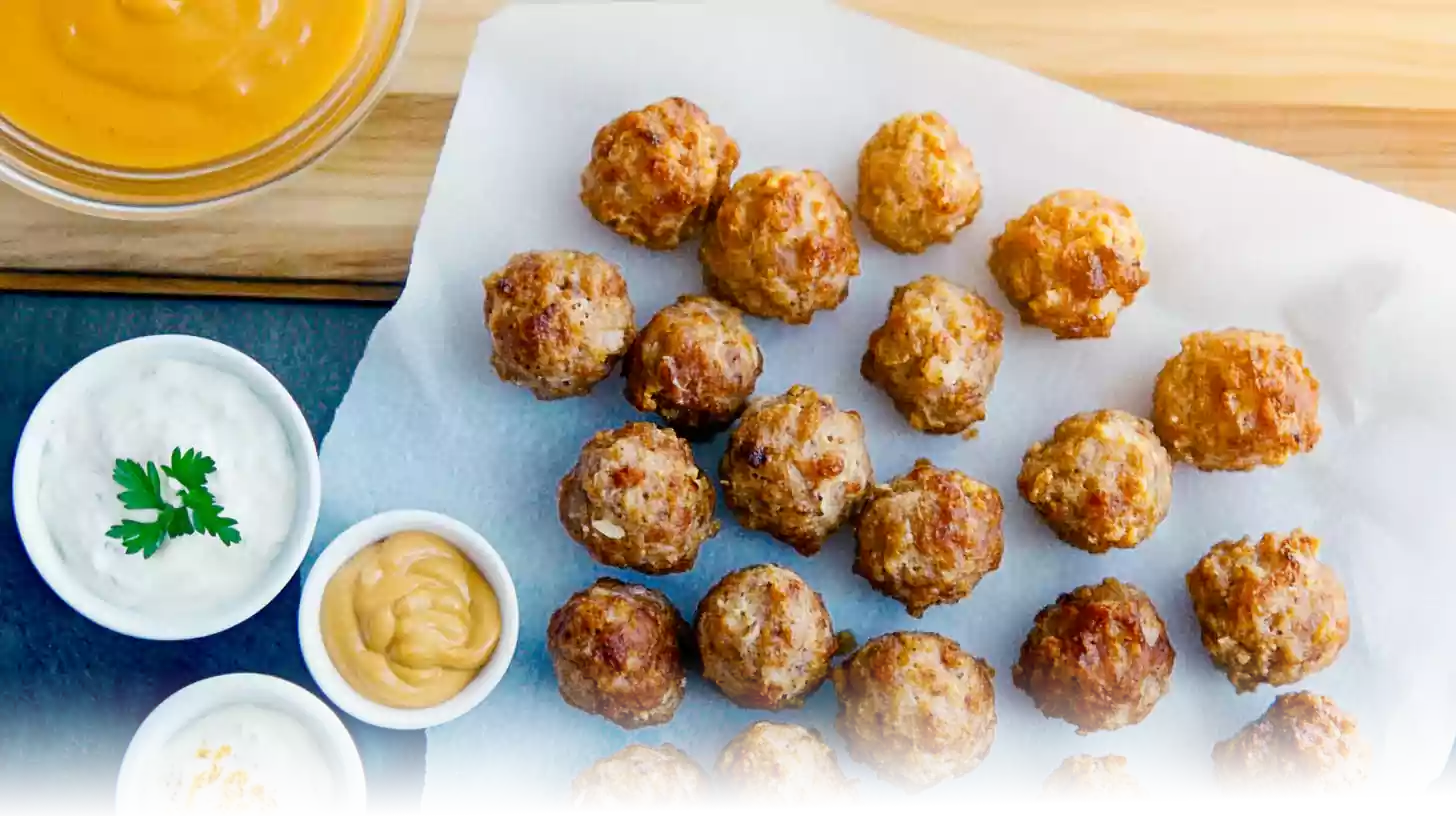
x=143 y=414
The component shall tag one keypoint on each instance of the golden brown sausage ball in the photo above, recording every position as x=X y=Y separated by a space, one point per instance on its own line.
x=936 y=355
x=916 y=708
x=658 y=174
x=781 y=763
x=1098 y=658
x=559 y=321
x=1071 y=263
x=1089 y=777
x=640 y=776
x=917 y=183
x=1303 y=742
x=695 y=364
x=797 y=468
x=1270 y=611
x=929 y=537
x=782 y=246
x=1101 y=481
x=615 y=650
x=1236 y=399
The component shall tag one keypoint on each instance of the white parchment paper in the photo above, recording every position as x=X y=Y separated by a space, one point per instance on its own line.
x=1359 y=278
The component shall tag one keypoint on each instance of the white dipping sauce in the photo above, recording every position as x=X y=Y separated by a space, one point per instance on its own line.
x=142 y=414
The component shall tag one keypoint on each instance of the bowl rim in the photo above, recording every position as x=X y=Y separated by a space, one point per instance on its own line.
x=369 y=531
x=44 y=553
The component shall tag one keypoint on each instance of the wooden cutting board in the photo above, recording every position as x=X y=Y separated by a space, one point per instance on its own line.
x=1366 y=87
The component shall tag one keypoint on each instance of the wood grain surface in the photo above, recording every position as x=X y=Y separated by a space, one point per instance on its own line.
x=1366 y=87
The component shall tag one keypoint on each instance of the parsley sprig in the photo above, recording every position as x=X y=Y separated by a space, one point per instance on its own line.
x=142 y=490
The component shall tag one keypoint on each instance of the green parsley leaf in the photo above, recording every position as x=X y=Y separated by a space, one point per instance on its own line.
x=190 y=469
x=199 y=513
x=142 y=488
x=140 y=537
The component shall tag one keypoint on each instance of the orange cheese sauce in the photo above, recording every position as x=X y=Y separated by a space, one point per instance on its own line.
x=156 y=84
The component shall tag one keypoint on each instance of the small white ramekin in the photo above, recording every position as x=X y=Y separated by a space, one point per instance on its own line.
x=74 y=385
x=369 y=531
x=206 y=696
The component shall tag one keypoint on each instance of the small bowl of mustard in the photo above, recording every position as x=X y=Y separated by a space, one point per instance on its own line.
x=408 y=620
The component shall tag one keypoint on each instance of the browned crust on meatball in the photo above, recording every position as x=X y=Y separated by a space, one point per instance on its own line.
x=615 y=649
x=1098 y=658
x=1270 y=611
x=1304 y=741
x=929 y=537
x=641 y=776
x=1096 y=777
x=918 y=184
x=1236 y=399
x=782 y=763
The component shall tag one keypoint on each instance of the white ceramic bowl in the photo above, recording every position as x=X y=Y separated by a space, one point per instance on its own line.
x=206 y=696
x=43 y=550
x=376 y=528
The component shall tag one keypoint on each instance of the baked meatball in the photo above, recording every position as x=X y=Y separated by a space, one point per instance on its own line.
x=782 y=764
x=1269 y=610
x=658 y=174
x=936 y=355
x=637 y=500
x=559 y=321
x=1304 y=741
x=797 y=468
x=1101 y=481
x=917 y=183
x=695 y=364
x=1071 y=263
x=765 y=637
x=640 y=776
x=1085 y=776
x=929 y=537
x=782 y=246
x=1098 y=658
x=916 y=708
x=1236 y=399
x=615 y=650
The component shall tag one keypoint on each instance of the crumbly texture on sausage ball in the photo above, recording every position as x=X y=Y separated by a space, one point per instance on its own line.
x=917 y=183
x=640 y=776
x=1102 y=480
x=658 y=174
x=1303 y=742
x=1086 y=776
x=615 y=650
x=1235 y=400
x=929 y=537
x=797 y=468
x=1270 y=611
x=1071 y=263
x=1098 y=658
x=783 y=764
x=636 y=499
x=782 y=246
x=559 y=321
x=695 y=364
x=916 y=708
x=936 y=355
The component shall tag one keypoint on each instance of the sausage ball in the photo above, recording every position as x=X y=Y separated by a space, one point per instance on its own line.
x=916 y=708
x=797 y=468
x=936 y=355
x=781 y=763
x=658 y=174
x=615 y=650
x=1071 y=263
x=782 y=246
x=929 y=537
x=695 y=364
x=1269 y=610
x=1236 y=399
x=1101 y=481
x=640 y=776
x=637 y=500
x=1304 y=741
x=559 y=321
x=1085 y=776
x=765 y=637
x=917 y=183
x=1098 y=658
